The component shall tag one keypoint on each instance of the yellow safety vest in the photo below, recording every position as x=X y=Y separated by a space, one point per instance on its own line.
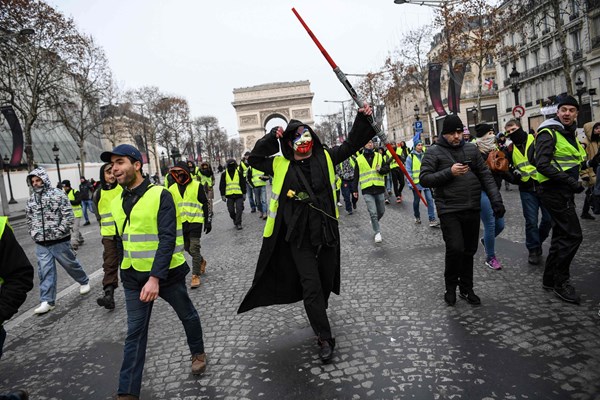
x=368 y=175
x=232 y=186
x=280 y=169
x=565 y=155
x=256 y=181
x=107 y=222
x=188 y=206
x=416 y=168
x=206 y=180
x=77 y=210
x=244 y=168
x=393 y=164
x=140 y=234
x=521 y=162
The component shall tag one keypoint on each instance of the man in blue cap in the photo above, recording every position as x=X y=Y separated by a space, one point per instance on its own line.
x=153 y=264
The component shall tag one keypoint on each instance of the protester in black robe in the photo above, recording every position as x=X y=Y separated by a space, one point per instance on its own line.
x=300 y=259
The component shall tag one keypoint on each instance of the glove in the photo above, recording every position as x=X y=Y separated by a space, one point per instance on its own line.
x=224 y=199
x=207 y=225
x=517 y=175
x=273 y=132
x=575 y=185
x=499 y=210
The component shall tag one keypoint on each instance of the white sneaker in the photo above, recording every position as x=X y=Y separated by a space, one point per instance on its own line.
x=339 y=204
x=83 y=289
x=43 y=308
x=378 y=237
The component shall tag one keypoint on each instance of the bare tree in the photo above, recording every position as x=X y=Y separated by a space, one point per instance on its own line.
x=31 y=70
x=206 y=128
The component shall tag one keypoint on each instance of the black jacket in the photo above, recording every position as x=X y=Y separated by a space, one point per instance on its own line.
x=457 y=193
x=222 y=182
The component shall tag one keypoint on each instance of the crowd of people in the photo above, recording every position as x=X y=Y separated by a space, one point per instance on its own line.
x=146 y=227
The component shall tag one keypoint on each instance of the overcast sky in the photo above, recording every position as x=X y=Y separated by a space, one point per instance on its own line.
x=202 y=50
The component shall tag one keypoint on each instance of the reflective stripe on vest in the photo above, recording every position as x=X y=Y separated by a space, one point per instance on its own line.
x=107 y=222
x=521 y=162
x=280 y=169
x=206 y=180
x=565 y=155
x=77 y=210
x=368 y=175
x=256 y=181
x=232 y=186
x=416 y=168
x=188 y=206
x=140 y=236
x=393 y=164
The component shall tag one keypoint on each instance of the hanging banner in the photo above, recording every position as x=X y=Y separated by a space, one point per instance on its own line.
x=456 y=80
x=435 y=71
x=17 y=135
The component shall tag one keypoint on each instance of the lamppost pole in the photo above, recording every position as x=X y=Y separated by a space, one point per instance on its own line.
x=78 y=165
x=345 y=130
x=12 y=199
x=581 y=90
x=55 y=150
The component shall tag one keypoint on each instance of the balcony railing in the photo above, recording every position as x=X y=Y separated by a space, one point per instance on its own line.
x=577 y=55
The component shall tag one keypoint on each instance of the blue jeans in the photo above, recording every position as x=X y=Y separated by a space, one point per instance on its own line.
x=492 y=226
x=376 y=208
x=430 y=206
x=87 y=205
x=250 y=192
x=138 y=320
x=534 y=235
x=47 y=257
x=260 y=198
x=347 y=194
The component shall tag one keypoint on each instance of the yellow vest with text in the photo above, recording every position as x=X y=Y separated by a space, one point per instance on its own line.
x=368 y=175
x=521 y=162
x=416 y=168
x=107 y=222
x=565 y=155
x=232 y=185
x=140 y=234
x=256 y=181
x=77 y=210
x=280 y=169
x=188 y=206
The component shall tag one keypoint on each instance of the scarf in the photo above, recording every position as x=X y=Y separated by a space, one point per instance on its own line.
x=486 y=143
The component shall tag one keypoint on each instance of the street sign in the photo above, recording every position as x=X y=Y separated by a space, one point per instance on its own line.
x=419 y=125
x=518 y=111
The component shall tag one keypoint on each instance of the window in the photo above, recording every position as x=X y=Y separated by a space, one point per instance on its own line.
x=574 y=7
x=575 y=36
x=524 y=63
x=535 y=55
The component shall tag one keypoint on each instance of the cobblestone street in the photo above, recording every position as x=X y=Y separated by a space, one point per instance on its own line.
x=395 y=336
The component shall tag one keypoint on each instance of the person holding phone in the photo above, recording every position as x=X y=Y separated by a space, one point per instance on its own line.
x=457 y=174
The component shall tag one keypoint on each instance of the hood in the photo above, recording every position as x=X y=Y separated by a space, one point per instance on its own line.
x=183 y=165
x=42 y=174
x=286 y=149
x=208 y=172
x=588 y=129
x=549 y=123
x=191 y=166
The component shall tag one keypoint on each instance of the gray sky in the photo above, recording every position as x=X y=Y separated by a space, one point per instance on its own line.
x=202 y=50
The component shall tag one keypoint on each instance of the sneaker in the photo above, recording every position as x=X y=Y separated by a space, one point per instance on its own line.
x=86 y=223
x=587 y=216
x=198 y=363
x=417 y=220
x=84 y=289
x=354 y=206
x=567 y=293
x=339 y=204
x=470 y=297
x=450 y=297
x=253 y=210
x=378 y=238
x=399 y=199
x=326 y=349
x=434 y=223
x=387 y=201
x=493 y=263
x=195 y=281
x=43 y=308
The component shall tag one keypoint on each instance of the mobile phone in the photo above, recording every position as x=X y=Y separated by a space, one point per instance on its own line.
x=467 y=162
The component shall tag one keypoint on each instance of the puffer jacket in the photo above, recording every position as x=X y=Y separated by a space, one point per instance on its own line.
x=49 y=213
x=457 y=193
x=592 y=145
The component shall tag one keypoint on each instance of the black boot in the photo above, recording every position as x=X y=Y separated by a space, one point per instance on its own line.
x=534 y=256
x=108 y=300
x=326 y=351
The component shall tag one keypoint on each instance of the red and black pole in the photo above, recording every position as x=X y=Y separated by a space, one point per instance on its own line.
x=359 y=102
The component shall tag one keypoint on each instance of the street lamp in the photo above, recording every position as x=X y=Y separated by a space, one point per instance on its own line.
x=55 y=150
x=416 y=110
x=343 y=114
x=581 y=90
x=162 y=158
x=78 y=165
x=514 y=83
x=175 y=154
x=12 y=199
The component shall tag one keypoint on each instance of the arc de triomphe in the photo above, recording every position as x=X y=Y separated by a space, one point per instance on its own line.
x=255 y=106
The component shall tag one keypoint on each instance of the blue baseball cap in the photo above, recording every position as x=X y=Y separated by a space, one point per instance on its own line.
x=122 y=150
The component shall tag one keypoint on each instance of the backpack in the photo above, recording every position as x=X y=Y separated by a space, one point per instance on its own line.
x=497 y=161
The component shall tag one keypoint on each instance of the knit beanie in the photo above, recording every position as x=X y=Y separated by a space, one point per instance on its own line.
x=568 y=101
x=452 y=123
x=482 y=129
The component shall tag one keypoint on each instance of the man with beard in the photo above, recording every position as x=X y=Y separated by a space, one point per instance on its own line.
x=152 y=265
x=233 y=191
x=103 y=197
x=559 y=159
x=300 y=254
x=456 y=172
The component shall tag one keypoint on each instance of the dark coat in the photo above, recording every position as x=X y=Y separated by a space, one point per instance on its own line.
x=276 y=280
x=457 y=193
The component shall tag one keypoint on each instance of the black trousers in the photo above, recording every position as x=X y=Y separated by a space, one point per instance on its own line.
x=316 y=285
x=566 y=236
x=460 y=231
x=397 y=181
x=235 y=208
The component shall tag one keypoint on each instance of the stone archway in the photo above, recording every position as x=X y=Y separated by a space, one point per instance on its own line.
x=256 y=105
